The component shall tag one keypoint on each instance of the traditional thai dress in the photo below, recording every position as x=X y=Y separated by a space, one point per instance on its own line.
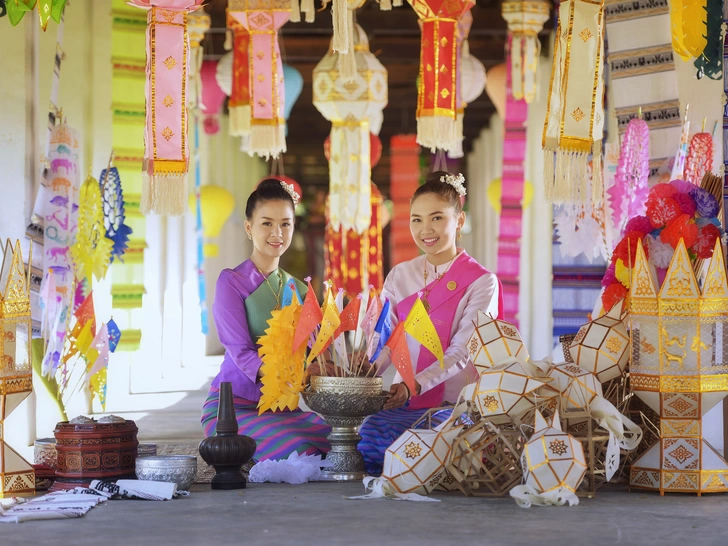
x=243 y=305
x=454 y=301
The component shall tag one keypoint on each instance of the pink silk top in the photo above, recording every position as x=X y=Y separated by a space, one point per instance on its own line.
x=482 y=294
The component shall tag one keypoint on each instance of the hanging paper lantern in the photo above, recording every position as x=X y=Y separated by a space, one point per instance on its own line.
x=574 y=123
x=342 y=15
x=472 y=75
x=293 y=85
x=375 y=123
x=464 y=24
x=700 y=158
x=495 y=86
x=262 y=19
x=166 y=159
x=354 y=261
x=114 y=215
x=47 y=9
x=213 y=96
x=239 y=103
x=197 y=24
x=525 y=20
x=348 y=106
x=553 y=466
x=437 y=93
x=216 y=206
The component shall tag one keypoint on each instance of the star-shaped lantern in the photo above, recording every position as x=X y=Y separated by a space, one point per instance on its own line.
x=602 y=346
x=501 y=394
x=493 y=342
x=578 y=387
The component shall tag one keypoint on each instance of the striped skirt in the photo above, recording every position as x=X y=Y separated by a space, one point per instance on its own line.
x=277 y=434
x=381 y=430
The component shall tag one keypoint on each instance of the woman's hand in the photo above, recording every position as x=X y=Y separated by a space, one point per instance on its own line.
x=315 y=369
x=398 y=396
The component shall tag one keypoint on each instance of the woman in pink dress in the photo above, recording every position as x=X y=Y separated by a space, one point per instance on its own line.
x=453 y=288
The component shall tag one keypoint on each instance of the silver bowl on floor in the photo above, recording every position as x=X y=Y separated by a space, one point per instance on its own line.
x=344 y=403
x=179 y=469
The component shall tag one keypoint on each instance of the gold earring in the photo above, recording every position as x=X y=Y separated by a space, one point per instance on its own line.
x=250 y=236
x=459 y=236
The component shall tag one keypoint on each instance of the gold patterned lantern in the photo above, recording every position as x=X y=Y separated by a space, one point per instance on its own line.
x=525 y=20
x=602 y=346
x=493 y=341
x=679 y=369
x=503 y=393
x=348 y=105
x=16 y=378
x=416 y=461
x=553 y=466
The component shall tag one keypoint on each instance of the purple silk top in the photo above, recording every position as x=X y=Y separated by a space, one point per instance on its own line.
x=241 y=363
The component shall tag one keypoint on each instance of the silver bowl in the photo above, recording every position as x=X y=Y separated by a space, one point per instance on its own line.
x=344 y=403
x=179 y=469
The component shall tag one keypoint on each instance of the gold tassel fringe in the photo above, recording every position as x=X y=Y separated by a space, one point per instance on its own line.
x=566 y=176
x=165 y=195
x=347 y=61
x=267 y=140
x=239 y=120
x=436 y=132
x=397 y=3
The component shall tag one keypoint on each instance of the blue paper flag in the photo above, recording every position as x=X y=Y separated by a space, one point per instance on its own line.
x=383 y=330
x=114 y=334
x=288 y=293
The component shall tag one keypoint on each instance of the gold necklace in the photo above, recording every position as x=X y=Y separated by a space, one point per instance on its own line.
x=280 y=287
x=426 y=291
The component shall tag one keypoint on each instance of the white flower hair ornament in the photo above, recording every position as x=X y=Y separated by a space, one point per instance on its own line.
x=290 y=191
x=456 y=181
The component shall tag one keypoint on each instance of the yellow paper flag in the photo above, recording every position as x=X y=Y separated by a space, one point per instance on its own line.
x=329 y=324
x=282 y=370
x=419 y=325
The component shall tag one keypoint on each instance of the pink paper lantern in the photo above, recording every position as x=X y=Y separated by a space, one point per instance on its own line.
x=212 y=97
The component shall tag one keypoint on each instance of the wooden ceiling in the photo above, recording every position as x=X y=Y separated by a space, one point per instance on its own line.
x=394 y=37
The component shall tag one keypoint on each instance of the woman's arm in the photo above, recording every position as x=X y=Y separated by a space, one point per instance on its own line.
x=232 y=326
x=483 y=296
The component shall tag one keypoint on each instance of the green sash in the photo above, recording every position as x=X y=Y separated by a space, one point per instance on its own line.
x=260 y=304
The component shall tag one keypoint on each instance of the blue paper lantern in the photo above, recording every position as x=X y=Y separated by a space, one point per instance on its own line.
x=293 y=84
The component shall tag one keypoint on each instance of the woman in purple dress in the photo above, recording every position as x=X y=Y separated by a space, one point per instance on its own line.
x=244 y=300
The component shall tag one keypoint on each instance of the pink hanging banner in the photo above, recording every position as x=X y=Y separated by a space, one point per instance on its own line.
x=512 y=183
x=166 y=155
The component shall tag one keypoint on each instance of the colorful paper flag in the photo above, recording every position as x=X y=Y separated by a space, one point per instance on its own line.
x=419 y=325
x=382 y=331
x=400 y=356
x=114 y=335
x=311 y=317
x=329 y=323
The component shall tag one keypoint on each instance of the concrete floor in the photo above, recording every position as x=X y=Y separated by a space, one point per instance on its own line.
x=319 y=514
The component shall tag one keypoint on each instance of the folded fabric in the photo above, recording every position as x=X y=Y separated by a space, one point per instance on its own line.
x=58 y=505
x=297 y=469
x=131 y=489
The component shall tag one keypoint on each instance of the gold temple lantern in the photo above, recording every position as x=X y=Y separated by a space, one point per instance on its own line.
x=553 y=466
x=680 y=369
x=16 y=376
x=493 y=341
x=602 y=346
x=416 y=461
x=502 y=394
x=525 y=20
x=348 y=105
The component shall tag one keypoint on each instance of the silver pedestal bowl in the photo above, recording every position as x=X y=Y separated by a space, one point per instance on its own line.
x=344 y=403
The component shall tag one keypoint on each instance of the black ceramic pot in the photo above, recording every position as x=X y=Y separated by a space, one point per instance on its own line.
x=227 y=451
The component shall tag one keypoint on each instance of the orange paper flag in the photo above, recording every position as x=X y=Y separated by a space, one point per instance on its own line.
x=419 y=325
x=349 y=317
x=311 y=317
x=329 y=323
x=400 y=356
